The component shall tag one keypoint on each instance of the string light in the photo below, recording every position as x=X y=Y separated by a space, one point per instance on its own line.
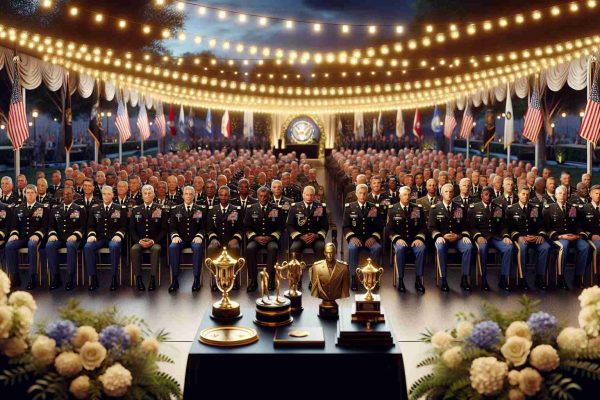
x=47 y=3
x=74 y=11
x=122 y=24
x=574 y=7
x=99 y=18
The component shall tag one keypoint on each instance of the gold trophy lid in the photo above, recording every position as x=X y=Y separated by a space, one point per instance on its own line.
x=225 y=260
x=370 y=268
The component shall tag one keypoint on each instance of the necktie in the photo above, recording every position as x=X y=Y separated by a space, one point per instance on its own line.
x=66 y=208
x=431 y=201
x=106 y=208
x=189 y=209
x=277 y=203
x=406 y=209
x=264 y=209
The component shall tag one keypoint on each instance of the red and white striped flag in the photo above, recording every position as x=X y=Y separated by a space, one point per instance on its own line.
x=590 y=125
x=122 y=120
x=226 y=125
x=160 y=121
x=449 y=122
x=417 y=124
x=533 y=120
x=466 y=125
x=142 y=122
x=18 y=130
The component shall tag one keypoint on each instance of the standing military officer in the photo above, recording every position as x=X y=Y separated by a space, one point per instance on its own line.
x=107 y=224
x=262 y=223
x=28 y=228
x=5 y=221
x=448 y=226
x=589 y=226
x=148 y=227
x=406 y=226
x=186 y=225
x=486 y=222
x=67 y=229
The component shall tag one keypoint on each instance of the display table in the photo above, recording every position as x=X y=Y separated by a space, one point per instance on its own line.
x=260 y=370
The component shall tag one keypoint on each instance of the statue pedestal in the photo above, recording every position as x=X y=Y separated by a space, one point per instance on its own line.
x=226 y=314
x=273 y=314
x=364 y=311
x=295 y=300
x=328 y=309
x=365 y=325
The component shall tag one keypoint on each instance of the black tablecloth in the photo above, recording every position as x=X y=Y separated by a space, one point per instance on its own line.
x=260 y=370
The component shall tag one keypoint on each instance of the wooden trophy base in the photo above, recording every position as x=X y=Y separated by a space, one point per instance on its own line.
x=273 y=314
x=226 y=314
x=295 y=301
x=328 y=309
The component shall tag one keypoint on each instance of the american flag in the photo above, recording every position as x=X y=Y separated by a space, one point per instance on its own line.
x=533 y=118
x=590 y=125
x=449 y=122
x=160 y=122
x=18 y=130
x=122 y=121
x=466 y=125
x=142 y=122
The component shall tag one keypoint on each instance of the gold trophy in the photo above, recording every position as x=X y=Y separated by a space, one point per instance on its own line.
x=225 y=270
x=274 y=313
x=293 y=276
x=367 y=307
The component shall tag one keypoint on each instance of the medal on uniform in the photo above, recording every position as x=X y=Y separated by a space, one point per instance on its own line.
x=157 y=213
x=372 y=213
x=75 y=215
x=116 y=214
x=2 y=214
x=572 y=212
x=534 y=213
x=178 y=216
x=301 y=219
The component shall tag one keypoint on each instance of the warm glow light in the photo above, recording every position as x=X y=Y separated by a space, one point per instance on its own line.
x=536 y=15
x=372 y=29
x=122 y=24
x=471 y=29
x=47 y=3
x=289 y=24
x=317 y=27
x=34 y=114
x=202 y=10
x=99 y=18
x=429 y=28
x=222 y=14
x=574 y=7
x=262 y=21
x=180 y=5
x=555 y=11
x=591 y=3
x=399 y=29
x=502 y=22
x=243 y=18
x=487 y=25
x=345 y=29
x=146 y=29
x=166 y=33
x=519 y=19
x=74 y=11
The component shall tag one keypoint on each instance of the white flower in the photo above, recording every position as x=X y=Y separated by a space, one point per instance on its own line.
x=463 y=329
x=513 y=377
x=594 y=344
x=518 y=328
x=487 y=375
x=515 y=394
x=452 y=357
x=80 y=387
x=6 y=321
x=68 y=364
x=84 y=334
x=92 y=355
x=589 y=320
x=516 y=349
x=116 y=380
x=150 y=345
x=21 y=298
x=441 y=340
x=24 y=316
x=44 y=349
x=572 y=339
x=4 y=286
x=544 y=357
x=134 y=332
x=13 y=347
x=530 y=381
x=589 y=296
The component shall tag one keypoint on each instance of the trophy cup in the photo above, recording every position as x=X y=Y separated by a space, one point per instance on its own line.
x=272 y=312
x=367 y=307
x=294 y=274
x=225 y=270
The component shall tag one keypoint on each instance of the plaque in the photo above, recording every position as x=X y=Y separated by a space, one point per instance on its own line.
x=299 y=337
x=228 y=336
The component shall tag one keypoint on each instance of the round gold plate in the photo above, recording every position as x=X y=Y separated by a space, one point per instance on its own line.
x=228 y=336
x=299 y=333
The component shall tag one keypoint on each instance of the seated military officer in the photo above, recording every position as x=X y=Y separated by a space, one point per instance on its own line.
x=589 y=226
x=28 y=228
x=448 y=226
x=186 y=225
x=67 y=229
x=560 y=221
x=262 y=223
x=363 y=226
x=406 y=227
x=486 y=221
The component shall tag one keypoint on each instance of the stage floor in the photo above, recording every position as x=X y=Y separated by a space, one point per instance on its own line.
x=409 y=313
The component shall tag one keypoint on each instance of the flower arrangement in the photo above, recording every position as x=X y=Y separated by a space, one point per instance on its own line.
x=83 y=355
x=514 y=355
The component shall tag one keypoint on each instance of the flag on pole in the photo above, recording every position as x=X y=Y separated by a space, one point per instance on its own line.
x=18 y=130
x=190 y=122
x=449 y=122
x=374 y=130
x=590 y=124
x=509 y=121
x=399 y=123
x=172 y=129
x=466 y=125
x=380 y=127
x=225 y=125
x=95 y=124
x=159 y=120
x=209 y=122
x=181 y=123
x=417 y=124
x=436 y=121
x=68 y=117
x=122 y=119
x=359 y=128
x=533 y=120
x=142 y=122
x=248 y=124
x=340 y=127
x=489 y=129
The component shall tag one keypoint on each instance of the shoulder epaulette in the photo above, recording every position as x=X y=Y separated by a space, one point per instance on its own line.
x=419 y=205
x=172 y=207
x=471 y=205
x=324 y=205
x=293 y=204
x=346 y=204
x=433 y=206
x=210 y=207
x=547 y=205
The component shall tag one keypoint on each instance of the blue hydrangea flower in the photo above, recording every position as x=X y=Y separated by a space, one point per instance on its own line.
x=62 y=331
x=543 y=324
x=114 y=337
x=485 y=335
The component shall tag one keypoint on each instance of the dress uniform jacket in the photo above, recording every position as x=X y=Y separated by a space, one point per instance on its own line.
x=441 y=221
x=248 y=201
x=284 y=204
x=475 y=192
x=88 y=206
x=148 y=223
x=407 y=225
x=549 y=199
x=589 y=221
x=363 y=224
x=470 y=200
x=27 y=222
x=187 y=225
x=66 y=223
x=487 y=221
x=53 y=189
x=106 y=224
x=502 y=200
x=558 y=222
x=263 y=223
x=576 y=200
x=5 y=220
x=426 y=203
x=291 y=192
x=302 y=220
x=10 y=199
x=136 y=198
x=383 y=201
x=224 y=225
x=419 y=190
x=175 y=198
x=525 y=222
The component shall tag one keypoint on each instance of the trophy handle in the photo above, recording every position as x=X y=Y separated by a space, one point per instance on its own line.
x=208 y=263
x=359 y=275
x=302 y=265
x=379 y=275
x=241 y=263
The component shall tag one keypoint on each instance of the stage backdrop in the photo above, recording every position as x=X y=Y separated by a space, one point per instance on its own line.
x=325 y=122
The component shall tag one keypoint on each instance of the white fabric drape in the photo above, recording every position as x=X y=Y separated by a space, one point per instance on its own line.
x=85 y=88
x=556 y=77
x=577 y=78
x=109 y=90
x=500 y=92
x=522 y=87
x=476 y=98
x=460 y=103
x=133 y=98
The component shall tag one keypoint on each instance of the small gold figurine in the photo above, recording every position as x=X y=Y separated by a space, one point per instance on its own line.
x=263 y=277
x=279 y=276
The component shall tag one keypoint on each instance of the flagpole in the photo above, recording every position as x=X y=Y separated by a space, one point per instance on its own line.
x=120 y=149
x=142 y=146
x=508 y=155
x=17 y=163
x=67 y=158
x=468 y=146
x=589 y=148
x=96 y=152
